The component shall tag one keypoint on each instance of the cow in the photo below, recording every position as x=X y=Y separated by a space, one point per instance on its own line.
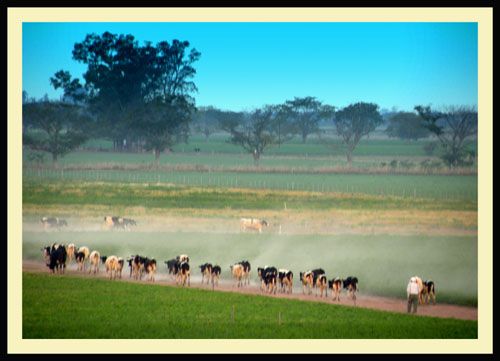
x=336 y=286
x=70 y=250
x=285 y=278
x=184 y=273
x=111 y=265
x=127 y=222
x=252 y=223
x=269 y=279
x=119 y=222
x=172 y=267
x=81 y=260
x=95 y=259
x=420 y=284
x=136 y=264
x=237 y=270
x=306 y=278
x=120 y=266
x=53 y=222
x=429 y=292
x=206 y=272
x=351 y=285
x=150 y=268
x=46 y=253
x=246 y=271
x=315 y=274
x=57 y=258
x=322 y=285
x=216 y=270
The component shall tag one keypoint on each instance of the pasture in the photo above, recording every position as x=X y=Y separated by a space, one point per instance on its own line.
x=382 y=225
x=142 y=311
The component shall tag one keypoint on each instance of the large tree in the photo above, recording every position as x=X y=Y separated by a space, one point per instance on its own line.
x=124 y=79
x=454 y=127
x=254 y=132
x=305 y=114
x=354 y=122
x=407 y=126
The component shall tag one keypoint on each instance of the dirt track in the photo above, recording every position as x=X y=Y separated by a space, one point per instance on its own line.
x=366 y=301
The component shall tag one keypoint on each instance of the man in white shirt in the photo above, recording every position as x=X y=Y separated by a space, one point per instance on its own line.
x=412 y=291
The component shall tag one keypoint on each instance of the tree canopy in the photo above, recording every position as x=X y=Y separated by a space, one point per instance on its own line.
x=453 y=127
x=354 y=122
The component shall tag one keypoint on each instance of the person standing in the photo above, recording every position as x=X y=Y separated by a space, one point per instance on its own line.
x=412 y=291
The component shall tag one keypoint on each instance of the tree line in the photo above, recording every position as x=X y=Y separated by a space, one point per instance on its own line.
x=142 y=96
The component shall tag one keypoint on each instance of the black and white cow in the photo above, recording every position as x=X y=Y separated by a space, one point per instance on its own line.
x=429 y=291
x=206 y=272
x=268 y=276
x=215 y=275
x=172 y=267
x=351 y=285
x=184 y=274
x=336 y=286
x=285 y=278
x=57 y=258
x=246 y=271
x=53 y=222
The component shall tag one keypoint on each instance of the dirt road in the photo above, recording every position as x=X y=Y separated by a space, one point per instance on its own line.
x=365 y=301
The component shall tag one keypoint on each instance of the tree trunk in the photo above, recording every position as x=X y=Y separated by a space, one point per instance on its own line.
x=157 y=158
x=54 y=160
x=256 y=157
x=304 y=138
x=349 y=157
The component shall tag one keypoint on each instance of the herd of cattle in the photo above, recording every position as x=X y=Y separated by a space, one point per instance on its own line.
x=109 y=222
x=271 y=279
x=117 y=222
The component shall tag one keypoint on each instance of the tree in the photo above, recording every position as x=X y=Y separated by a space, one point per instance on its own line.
x=453 y=127
x=406 y=125
x=255 y=132
x=57 y=127
x=123 y=79
x=354 y=122
x=162 y=122
x=306 y=114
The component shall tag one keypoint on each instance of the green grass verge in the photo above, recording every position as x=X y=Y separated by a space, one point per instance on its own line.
x=70 y=307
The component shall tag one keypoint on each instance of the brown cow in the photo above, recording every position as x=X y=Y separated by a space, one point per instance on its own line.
x=252 y=223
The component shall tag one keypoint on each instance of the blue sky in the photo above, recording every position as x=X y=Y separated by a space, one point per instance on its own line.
x=247 y=65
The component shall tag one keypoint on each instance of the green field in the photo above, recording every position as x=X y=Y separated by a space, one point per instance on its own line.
x=62 y=307
x=377 y=145
x=383 y=263
x=441 y=187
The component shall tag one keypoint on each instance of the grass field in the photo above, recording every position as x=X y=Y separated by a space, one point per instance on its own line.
x=101 y=309
x=377 y=145
x=440 y=187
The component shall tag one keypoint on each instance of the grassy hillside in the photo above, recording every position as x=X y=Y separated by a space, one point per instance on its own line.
x=71 y=307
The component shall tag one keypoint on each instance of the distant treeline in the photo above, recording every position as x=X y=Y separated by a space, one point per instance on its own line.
x=141 y=98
